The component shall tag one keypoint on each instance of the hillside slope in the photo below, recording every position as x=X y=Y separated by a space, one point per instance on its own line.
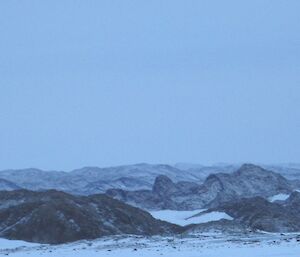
x=57 y=217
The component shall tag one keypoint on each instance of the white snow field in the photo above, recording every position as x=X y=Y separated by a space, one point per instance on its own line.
x=279 y=197
x=184 y=218
x=209 y=245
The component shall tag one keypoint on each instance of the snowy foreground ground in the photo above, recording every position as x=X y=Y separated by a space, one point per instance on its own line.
x=209 y=245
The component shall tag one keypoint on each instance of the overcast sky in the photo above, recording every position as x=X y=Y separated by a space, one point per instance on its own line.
x=97 y=83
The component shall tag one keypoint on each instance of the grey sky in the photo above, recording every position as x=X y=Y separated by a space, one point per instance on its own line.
x=116 y=82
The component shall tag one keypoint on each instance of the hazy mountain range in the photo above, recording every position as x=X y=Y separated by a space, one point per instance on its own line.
x=92 y=180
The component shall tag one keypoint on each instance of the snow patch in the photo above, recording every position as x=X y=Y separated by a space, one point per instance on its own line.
x=175 y=217
x=278 y=197
x=184 y=218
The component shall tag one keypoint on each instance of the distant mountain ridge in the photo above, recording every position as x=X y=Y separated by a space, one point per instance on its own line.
x=93 y=180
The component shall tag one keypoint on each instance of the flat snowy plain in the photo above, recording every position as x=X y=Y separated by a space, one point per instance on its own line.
x=204 y=245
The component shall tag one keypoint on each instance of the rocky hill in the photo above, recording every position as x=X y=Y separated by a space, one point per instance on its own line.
x=248 y=181
x=57 y=217
x=258 y=214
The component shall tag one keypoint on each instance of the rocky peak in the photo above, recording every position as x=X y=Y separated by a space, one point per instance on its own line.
x=163 y=185
x=249 y=168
